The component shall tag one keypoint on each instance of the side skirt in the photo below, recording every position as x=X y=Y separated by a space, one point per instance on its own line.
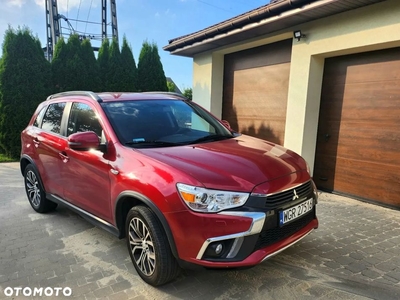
x=96 y=221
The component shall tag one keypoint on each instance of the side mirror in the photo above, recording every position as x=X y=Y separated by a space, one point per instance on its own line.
x=226 y=124
x=83 y=141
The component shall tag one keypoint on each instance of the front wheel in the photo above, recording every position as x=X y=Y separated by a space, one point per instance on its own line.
x=35 y=191
x=149 y=248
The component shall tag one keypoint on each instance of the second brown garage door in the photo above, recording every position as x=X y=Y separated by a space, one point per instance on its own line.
x=256 y=89
x=358 y=143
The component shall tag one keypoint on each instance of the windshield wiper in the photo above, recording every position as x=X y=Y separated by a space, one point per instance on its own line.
x=211 y=137
x=152 y=143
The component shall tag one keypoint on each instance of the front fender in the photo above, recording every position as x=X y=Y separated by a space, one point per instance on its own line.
x=133 y=198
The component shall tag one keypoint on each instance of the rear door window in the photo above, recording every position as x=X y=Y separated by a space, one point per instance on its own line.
x=39 y=117
x=52 y=117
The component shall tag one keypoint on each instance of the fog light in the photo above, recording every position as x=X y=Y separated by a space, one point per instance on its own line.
x=218 y=249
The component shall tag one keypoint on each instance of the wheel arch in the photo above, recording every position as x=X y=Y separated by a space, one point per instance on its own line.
x=128 y=199
x=24 y=162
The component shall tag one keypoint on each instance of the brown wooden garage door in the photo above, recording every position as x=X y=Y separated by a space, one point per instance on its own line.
x=255 y=90
x=358 y=143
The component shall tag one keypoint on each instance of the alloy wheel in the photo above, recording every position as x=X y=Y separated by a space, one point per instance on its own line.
x=33 y=188
x=142 y=246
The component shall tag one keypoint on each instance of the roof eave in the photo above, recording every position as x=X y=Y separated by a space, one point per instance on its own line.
x=300 y=11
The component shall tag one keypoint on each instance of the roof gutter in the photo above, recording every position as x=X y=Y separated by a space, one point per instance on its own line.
x=264 y=12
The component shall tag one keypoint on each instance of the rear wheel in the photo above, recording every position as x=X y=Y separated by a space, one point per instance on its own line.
x=35 y=191
x=149 y=248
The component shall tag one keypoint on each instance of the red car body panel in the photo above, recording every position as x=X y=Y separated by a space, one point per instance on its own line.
x=237 y=164
x=260 y=255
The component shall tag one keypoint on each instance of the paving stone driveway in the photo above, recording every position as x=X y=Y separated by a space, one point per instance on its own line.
x=355 y=254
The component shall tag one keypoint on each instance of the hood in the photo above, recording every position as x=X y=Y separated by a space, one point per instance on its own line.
x=237 y=164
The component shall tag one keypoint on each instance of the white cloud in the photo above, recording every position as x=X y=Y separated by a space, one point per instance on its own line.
x=18 y=3
x=66 y=5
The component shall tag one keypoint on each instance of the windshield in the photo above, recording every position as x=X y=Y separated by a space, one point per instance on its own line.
x=163 y=123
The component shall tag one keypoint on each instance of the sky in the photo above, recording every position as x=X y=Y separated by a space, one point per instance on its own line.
x=153 y=20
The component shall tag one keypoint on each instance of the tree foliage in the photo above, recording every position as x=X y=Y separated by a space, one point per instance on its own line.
x=150 y=70
x=103 y=63
x=74 y=66
x=58 y=65
x=25 y=81
x=115 y=68
x=129 y=71
x=187 y=92
x=171 y=86
x=75 y=70
x=92 y=81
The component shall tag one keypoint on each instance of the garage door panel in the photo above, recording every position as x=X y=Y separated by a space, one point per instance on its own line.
x=360 y=115
x=366 y=92
x=357 y=74
x=256 y=89
x=364 y=67
x=321 y=171
x=370 y=136
x=377 y=180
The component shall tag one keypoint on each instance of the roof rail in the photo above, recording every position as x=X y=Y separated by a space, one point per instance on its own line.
x=167 y=93
x=90 y=94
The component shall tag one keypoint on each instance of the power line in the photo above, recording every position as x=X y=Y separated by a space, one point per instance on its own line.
x=88 y=14
x=230 y=11
x=79 y=8
x=90 y=22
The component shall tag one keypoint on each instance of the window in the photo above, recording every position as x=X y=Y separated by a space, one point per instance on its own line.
x=159 y=121
x=39 y=117
x=52 y=117
x=83 y=118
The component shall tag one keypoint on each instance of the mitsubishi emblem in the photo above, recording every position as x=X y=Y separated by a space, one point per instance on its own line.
x=295 y=195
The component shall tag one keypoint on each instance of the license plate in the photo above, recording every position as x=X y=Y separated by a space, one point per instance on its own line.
x=295 y=212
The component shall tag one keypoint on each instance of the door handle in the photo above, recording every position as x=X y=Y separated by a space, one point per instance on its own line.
x=64 y=156
x=36 y=142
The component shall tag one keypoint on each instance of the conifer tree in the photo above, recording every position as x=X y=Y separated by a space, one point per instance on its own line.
x=92 y=81
x=58 y=65
x=115 y=67
x=103 y=63
x=151 y=74
x=25 y=81
x=75 y=70
x=129 y=70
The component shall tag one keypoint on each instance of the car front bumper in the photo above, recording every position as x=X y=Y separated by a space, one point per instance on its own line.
x=247 y=237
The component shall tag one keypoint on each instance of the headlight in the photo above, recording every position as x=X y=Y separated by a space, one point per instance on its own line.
x=205 y=200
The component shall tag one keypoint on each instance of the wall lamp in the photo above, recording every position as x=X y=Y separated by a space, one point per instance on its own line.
x=298 y=35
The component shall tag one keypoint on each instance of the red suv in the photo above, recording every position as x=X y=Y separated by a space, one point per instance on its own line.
x=181 y=185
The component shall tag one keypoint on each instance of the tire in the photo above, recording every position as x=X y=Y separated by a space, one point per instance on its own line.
x=35 y=191
x=149 y=248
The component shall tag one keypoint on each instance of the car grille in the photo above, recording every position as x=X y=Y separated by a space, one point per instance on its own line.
x=272 y=235
x=277 y=200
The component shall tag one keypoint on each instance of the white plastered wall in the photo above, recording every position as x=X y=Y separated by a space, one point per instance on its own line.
x=369 y=28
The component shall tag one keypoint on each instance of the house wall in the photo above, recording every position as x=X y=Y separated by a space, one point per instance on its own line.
x=369 y=28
